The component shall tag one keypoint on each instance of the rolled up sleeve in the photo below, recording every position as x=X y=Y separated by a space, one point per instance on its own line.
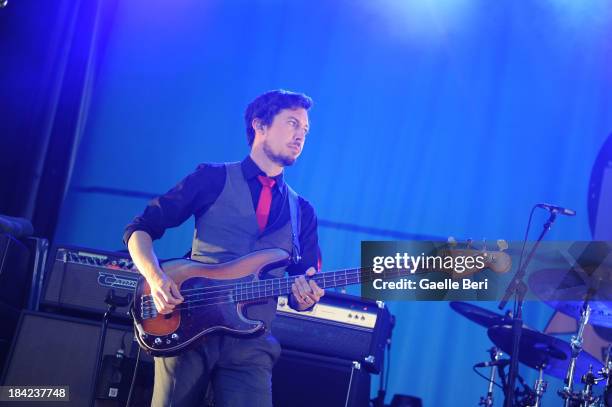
x=191 y=195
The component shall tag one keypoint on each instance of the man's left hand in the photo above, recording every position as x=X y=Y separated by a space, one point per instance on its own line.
x=306 y=292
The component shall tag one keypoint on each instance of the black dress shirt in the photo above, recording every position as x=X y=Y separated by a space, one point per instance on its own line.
x=193 y=195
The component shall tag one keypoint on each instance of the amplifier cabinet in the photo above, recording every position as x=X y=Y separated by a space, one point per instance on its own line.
x=79 y=279
x=341 y=326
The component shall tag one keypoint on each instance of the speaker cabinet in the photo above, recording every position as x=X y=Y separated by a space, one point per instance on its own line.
x=60 y=351
x=21 y=266
x=304 y=380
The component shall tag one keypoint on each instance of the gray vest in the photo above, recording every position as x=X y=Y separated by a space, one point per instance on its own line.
x=228 y=230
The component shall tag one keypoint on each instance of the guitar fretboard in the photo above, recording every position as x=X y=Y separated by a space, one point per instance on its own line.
x=282 y=286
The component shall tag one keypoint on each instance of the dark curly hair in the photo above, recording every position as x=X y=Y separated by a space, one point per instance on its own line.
x=267 y=105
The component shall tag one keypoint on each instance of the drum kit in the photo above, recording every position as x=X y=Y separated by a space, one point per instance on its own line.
x=548 y=355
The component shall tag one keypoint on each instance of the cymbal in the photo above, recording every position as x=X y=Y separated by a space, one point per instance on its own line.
x=565 y=290
x=601 y=312
x=481 y=316
x=538 y=350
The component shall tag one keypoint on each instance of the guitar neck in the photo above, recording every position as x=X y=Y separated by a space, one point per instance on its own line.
x=497 y=261
x=273 y=287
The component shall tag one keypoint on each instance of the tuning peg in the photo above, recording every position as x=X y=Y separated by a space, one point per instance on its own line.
x=484 y=244
x=469 y=243
x=502 y=245
x=452 y=241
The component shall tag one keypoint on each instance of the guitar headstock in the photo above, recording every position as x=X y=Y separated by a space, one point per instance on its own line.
x=497 y=260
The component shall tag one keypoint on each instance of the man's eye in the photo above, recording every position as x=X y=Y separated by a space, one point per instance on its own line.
x=293 y=123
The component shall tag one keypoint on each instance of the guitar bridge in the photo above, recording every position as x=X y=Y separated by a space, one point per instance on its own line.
x=149 y=311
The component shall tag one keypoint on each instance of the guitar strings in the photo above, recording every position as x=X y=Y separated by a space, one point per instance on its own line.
x=263 y=285
x=289 y=278
x=326 y=275
x=148 y=304
x=258 y=286
x=188 y=305
x=243 y=288
x=245 y=291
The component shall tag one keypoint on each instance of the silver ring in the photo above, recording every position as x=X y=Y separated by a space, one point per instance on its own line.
x=306 y=299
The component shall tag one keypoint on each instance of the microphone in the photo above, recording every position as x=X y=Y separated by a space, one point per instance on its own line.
x=557 y=209
x=500 y=362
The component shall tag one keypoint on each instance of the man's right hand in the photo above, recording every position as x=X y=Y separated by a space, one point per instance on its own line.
x=165 y=292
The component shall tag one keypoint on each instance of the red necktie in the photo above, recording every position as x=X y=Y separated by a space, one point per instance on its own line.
x=265 y=200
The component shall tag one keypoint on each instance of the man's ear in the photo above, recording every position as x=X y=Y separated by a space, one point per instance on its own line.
x=257 y=124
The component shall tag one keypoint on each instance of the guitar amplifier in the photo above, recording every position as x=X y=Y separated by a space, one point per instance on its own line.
x=340 y=326
x=78 y=279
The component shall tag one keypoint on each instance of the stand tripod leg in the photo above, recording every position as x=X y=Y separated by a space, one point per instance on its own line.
x=99 y=355
x=356 y=366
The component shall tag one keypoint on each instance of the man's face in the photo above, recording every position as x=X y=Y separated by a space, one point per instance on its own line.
x=283 y=139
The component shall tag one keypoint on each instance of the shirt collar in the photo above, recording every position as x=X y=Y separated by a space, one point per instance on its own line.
x=251 y=170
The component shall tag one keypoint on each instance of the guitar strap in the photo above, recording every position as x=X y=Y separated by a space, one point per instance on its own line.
x=294 y=214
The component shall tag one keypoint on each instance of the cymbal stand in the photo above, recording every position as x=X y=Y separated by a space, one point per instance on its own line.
x=540 y=387
x=607 y=369
x=589 y=380
x=526 y=397
x=567 y=393
x=606 y=374
x=487 y=401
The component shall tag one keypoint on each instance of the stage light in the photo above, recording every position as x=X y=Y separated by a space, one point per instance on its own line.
x=424 y=20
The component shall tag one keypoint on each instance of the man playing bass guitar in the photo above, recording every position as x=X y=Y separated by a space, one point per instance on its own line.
x=238 y=208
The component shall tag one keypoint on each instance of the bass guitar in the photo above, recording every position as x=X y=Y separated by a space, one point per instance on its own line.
x=215 y=295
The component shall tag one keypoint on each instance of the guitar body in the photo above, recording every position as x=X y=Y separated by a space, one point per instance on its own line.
x=209 y=305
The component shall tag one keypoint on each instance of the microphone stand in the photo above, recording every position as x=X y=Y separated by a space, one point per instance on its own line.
x=112 y=301
x=518 y=288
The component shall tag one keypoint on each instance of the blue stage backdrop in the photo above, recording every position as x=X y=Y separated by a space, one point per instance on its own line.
x=447 y=117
